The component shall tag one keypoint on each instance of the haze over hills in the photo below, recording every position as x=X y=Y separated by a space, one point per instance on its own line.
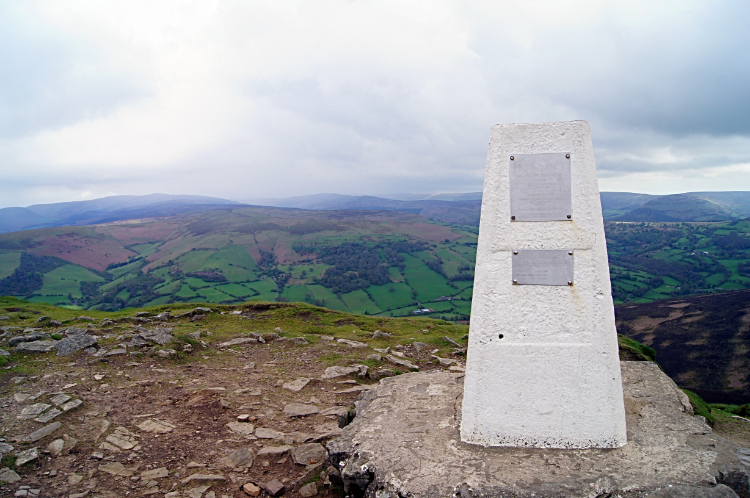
x=104 y=210
x=456 y=208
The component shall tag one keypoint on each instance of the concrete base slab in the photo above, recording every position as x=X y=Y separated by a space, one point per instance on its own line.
x=404 y=441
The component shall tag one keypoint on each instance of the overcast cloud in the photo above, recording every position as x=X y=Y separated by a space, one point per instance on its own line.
x=242 y=99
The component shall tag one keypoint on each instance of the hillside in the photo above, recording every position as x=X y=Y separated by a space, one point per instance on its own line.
x=678 y=207
x=701 y=342
x=376 y=262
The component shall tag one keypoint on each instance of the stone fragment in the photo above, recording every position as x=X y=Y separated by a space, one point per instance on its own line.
x=251 y=489
x=56 y=447
x=148 y=475
x=203 y=478
x=327 y=338
x=5 y=448
x=42 y=319
x=9 y=476
x=70 y=442
x=32 y=411
x=274 y=488
x=274 y=450
x=239 y=459
x=299 y=340
x=84 y=319
x=70 y=405
x=352 y=344
x=158 y=335
x=74 y=331
x=97 y=455
x=308 y=490
x=379 y=333
x=265 y=433
x=116 y=352
x=448 y=339
x=298 y=384
x=443 y=362
x=237 y=341
x=73 y=343
x=402 y=362
x=26 y=456
x=374 y=357
x=117 y=469
x=309 y=454
x=244 y=429
x=35 y=347
x=419 y=346
x=166 y=353
x=335 y=410
x=156 y=426
x=123 y=438
x=337 y=371
x=47 y=416
x=74 y=479
x=32 y=337
x=59 y=399
x=21 y=397
x=300 y=409
x=43 y=432
x=197 y=492
x=382 y=350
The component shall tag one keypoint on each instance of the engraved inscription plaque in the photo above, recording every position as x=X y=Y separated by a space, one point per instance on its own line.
x=539 y=267
x=540 y=187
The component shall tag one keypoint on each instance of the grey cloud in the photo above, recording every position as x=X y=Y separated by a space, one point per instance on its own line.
x=50 y=79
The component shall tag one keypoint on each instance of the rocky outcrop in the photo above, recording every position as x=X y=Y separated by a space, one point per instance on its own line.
x=404 y=441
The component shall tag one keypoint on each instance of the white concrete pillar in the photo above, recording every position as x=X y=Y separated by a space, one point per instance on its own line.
x=542 y=366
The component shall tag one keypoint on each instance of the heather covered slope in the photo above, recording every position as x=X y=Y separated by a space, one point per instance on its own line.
x=701 y=342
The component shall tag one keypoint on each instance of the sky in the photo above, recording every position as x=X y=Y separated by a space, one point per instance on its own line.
x=255 y=99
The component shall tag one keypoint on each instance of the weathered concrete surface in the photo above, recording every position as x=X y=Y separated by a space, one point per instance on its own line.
x=404 y=441
x=542 y=367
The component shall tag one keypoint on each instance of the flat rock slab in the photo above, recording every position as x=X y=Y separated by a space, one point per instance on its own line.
x=300 y=409
x=35 y=347
x=404 y=441
x=73 y=343
x=309 y=454
x=297 y=385
x=156 y=426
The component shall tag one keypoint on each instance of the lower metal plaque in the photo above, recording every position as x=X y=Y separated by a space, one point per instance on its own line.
x=540 y=187
x=539 y=267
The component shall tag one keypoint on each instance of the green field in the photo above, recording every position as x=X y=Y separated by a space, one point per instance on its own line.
x=66 y=280
x=8 y=263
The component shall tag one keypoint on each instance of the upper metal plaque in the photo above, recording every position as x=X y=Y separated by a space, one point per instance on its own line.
x=540 y=187
x=534 y=267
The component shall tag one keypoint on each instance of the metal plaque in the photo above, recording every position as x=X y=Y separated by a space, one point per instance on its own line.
x=540 y=187
x=542 y=267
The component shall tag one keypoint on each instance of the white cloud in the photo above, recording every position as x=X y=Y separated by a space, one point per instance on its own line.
x=243 y=99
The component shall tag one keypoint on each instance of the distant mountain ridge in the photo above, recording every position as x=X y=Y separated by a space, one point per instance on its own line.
x=103 y=210
x=457 y=208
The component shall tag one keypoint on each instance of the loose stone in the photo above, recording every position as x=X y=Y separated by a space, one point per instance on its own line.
x=308 y=490
x=300 y=410
x=26 y=456
x=43 y=432
x=353 y=344
x=239 y=459
x=251 y=489
x=32 y=411
x=309 y=454
x=297 y=385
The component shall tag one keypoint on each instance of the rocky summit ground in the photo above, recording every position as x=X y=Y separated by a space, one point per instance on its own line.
x=212 y=402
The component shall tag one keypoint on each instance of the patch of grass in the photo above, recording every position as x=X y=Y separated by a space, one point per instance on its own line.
x=56 y=337
x=8 y=460
x=635 y=348
x=700 y=407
